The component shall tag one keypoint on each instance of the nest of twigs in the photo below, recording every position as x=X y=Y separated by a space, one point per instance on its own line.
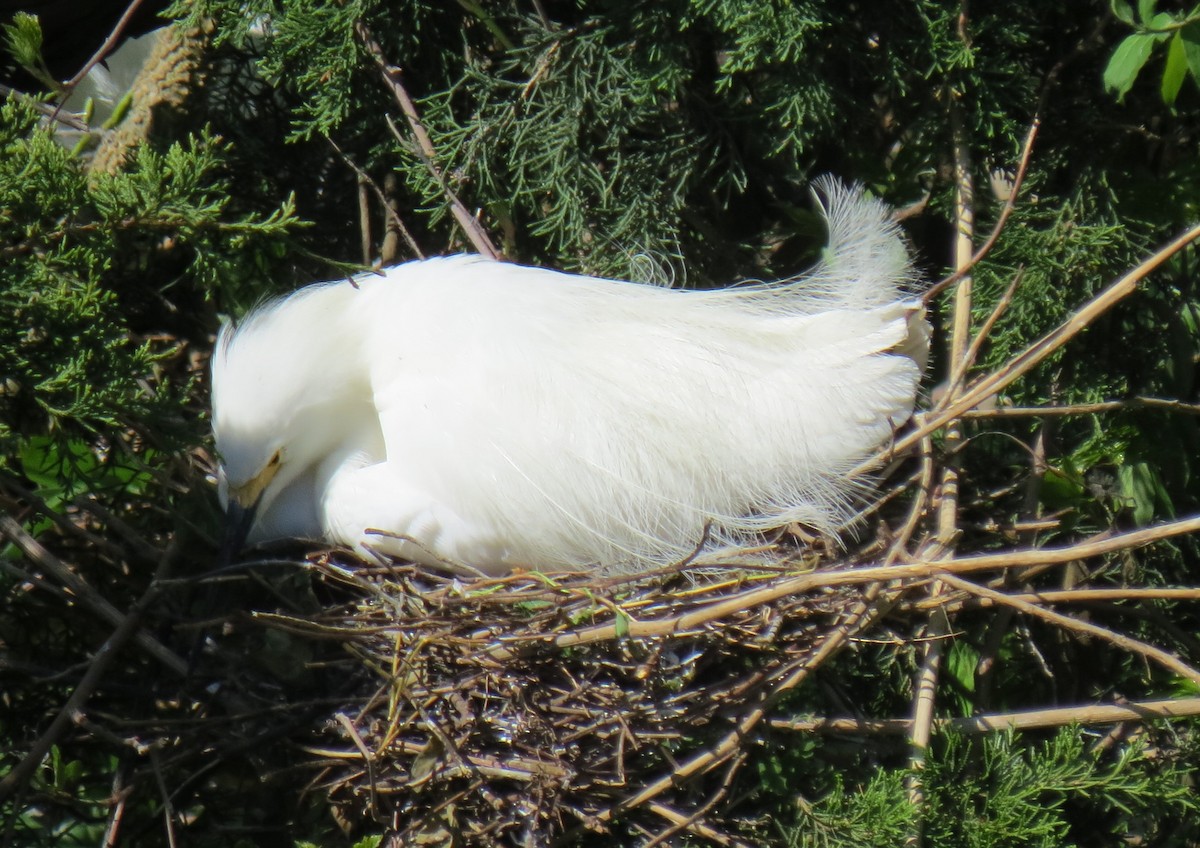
x=533 y=709
x=522 y=709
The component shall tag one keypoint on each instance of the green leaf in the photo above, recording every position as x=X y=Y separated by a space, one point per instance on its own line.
x=1146 y=10
x=1174 y=71
x=1122 y=10
x=621 y=624
x=1190 y=36
x=1127 y=62
x=1141 y=484
x=1163 y=24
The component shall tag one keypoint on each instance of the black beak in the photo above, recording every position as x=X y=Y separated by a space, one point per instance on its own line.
x=238 y=521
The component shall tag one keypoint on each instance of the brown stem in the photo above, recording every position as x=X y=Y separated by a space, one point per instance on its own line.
x=391 y=77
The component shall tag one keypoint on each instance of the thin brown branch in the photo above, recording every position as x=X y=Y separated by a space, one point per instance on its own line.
x=85 y=594
x=954 y=388
x=168 y=805
x=1034 y=354
x=120 y=795
x=1005 y=212
x=127 y=628
x=1066 y=622
x=393 y=216
x=366 y=242
x=391 y=77
x=1066 y=596
x=691 y=822
x=107 y=47
x=1083 y=714
x=1164 y=404
x=50 y=113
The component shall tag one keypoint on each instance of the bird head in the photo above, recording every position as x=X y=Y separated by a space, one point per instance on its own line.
x=274 y=377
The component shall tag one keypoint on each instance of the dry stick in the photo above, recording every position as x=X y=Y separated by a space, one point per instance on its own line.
x=1165 y=404
x=1074 y=596
x=50 y=113
x=729 y=745
x=60 y=519
x=168 y=808
x=119 y=795
x=140 y=548
x=388 y=208
x=1060 y=596
x=107 y=47
x=1085 y=714
x=426 y=150
x=1005 y=212
x=127 y=628
x=364 y=221
x=735 y=603
x=1033 y=355
x=1066 y=622
x=86 y=595
x=954 y=388
x=691 y=822
x=923 y=496
x=938 y=624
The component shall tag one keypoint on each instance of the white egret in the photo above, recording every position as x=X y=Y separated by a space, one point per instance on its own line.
x=495 y=415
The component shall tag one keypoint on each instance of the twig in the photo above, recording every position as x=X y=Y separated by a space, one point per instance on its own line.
x=364 y=221
x=955 y=384
x=1035 y=353
x=367 y=757
x=1066 y=622
x=86 y=595
x=388 y=208
x=691 y=822
x=51 y=113
x=142 y=549
x=1164 y=404
x=168 y=807
x=119 y=795
x=426 y=150
x=1084 y=714
x=1005 y=212
x=127 y=628
x=40 y=507
x=1083 y=596
x=107 y=47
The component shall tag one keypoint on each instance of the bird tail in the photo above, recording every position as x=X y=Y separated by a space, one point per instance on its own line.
x=865 y=264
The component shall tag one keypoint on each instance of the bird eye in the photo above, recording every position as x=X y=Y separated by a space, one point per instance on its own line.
x=275 y=458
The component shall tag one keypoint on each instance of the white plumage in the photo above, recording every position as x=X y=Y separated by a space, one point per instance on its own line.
x=496 y=415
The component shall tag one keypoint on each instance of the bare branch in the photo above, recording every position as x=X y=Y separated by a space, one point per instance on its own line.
x=391 y=77
x=1083 y=714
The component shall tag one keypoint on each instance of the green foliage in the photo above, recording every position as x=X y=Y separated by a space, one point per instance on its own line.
x=23 y=41
x=671 y=141
x=74 y=245
x=1003 y=790
x=1179 y=31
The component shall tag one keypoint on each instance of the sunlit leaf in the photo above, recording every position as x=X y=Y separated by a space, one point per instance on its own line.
x=1175 y=70
x=1127 y=62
